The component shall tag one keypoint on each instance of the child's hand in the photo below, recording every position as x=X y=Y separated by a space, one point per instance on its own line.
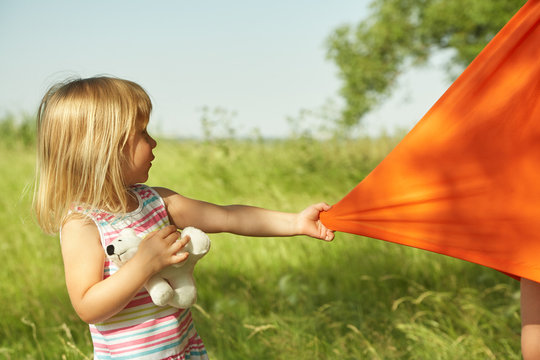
x=309 y=223
x=159 y=249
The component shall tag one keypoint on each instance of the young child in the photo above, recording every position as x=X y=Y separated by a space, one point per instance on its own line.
x=94 y=154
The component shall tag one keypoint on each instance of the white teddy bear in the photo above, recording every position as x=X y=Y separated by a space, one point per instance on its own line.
x=174 y=285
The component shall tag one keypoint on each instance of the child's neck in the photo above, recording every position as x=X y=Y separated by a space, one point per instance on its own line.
x=132 y=202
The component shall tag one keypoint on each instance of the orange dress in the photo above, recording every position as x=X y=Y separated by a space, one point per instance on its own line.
x=465 y=182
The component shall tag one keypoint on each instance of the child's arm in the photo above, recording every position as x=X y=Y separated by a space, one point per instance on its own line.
x=96 y=299
x=530 y=319
x=244 y=220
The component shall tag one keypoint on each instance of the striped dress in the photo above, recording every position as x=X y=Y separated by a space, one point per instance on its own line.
x=142 y=330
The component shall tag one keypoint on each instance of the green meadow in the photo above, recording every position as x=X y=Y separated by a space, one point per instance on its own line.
x=268 y=298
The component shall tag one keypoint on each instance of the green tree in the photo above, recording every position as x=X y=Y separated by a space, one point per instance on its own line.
x=402 y=33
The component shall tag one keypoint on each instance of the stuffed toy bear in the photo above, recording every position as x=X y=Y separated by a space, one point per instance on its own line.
x=173 y=285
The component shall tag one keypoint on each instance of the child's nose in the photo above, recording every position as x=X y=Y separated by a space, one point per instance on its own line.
x=110 y=250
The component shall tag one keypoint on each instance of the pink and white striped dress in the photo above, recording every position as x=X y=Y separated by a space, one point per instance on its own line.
x=142 y=330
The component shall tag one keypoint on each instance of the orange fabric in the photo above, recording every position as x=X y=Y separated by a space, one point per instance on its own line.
x=465 y=182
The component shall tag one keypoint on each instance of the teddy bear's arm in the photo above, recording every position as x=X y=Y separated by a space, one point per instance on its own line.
x=159 y=289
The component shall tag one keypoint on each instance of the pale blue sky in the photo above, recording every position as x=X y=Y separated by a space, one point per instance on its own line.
x=265 y=60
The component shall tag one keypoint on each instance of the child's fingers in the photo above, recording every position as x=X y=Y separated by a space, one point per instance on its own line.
x=325 y=234
x=167 y=231
x=178 y=245
x=162 y=233
x=171 y=238
x=314 y=210
x=179 y=257
x=151 y=234
x=329 y=235
x=322 y=206
x=185 y=239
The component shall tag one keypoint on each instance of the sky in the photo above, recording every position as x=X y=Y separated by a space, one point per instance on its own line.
x=261 y=62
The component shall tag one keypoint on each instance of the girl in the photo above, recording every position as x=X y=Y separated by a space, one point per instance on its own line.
x=94 y=153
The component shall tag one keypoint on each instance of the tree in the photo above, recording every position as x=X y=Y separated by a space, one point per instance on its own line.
x=402 y=33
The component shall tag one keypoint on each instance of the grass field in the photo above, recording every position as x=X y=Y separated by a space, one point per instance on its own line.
x=274 y=298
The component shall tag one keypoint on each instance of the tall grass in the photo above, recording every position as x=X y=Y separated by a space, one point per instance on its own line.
x=272 y=298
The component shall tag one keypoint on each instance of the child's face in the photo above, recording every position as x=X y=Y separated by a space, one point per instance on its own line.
x=139 y=155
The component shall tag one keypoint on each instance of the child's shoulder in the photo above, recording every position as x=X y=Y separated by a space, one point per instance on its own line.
x=171 y=198
x=146 y=190
x=78 y=226
x=163 y=192
x=77 y=221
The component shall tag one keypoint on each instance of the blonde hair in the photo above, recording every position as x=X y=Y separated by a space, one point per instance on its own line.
x=83 y=126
